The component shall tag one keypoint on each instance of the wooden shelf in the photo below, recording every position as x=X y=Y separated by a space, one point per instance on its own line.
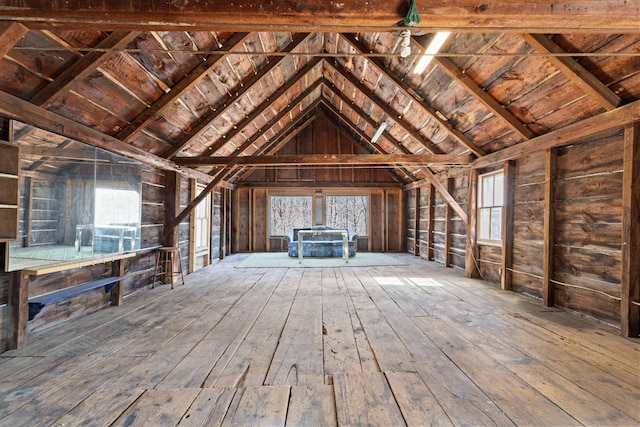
x=9 y=191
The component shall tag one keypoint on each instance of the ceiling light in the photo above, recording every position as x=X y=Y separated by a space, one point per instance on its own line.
x=381 y=129
x=431 y=50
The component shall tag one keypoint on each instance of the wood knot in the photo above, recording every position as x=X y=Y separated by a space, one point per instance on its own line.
x=482 y=8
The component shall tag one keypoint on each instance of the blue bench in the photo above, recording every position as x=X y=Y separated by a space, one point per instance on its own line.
x=37 y=303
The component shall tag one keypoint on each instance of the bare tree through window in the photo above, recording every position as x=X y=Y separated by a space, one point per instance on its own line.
x=288 y=212
x=350 y=212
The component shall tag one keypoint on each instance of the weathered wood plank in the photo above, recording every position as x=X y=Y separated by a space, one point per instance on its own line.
x=418 y=405
x=366 y=399
x=311 y=406
x=92 y=411
x=209 y=408
x=158 y=407
x=262 y=406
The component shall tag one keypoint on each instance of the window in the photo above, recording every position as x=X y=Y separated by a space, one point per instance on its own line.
x=350 y=212
x=202 y=221
x=116 y=207
x=490 y=203
x=288 y=212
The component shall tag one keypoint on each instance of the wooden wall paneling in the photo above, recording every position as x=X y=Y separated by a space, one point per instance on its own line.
x=260 y=226
x=416 y=224
x=528 y=224
x=242 y=222
x=630 y=289
x=470 y=267
x=395 y=221
x=431 y=256
x=549 y=228
x=447 y=225
x=507 y=226
x=376 y=231
x=171 y=208
x=192 y=232
x=17 y=309
x=588 y=210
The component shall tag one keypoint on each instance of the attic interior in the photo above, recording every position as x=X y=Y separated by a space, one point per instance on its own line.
x=495 y=176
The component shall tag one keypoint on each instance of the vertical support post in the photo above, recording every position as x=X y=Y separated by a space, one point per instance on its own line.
x=223 y=223
x=117 y=292
x=549 y=228
x=470 y=268
x=630 y=289
x=171 y=209
x=447 y=226
x=18 y=309
x=416 y=226
x=507 y=226
x=431 y=223
x=28 y=211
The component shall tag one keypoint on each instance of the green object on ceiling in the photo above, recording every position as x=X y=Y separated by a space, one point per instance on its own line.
x=412 y=18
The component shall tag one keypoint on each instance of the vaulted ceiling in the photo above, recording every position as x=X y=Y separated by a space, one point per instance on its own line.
x=210 y=88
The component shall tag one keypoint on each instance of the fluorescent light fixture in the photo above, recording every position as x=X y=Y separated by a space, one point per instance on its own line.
x=432 y=49
x=381 y=129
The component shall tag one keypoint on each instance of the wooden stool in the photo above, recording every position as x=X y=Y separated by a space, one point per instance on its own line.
x=164 y=265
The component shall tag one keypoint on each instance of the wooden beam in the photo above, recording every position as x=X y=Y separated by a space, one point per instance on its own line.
x=471 y=254
x=171 y=208
x=440 y=188
x=24 y=111
x=281 y=138
x=232 y=162
x=590 y=127
x=184 y=85
x=18 y=309
x=431 y=225
x=507 y=226
x=10 y=34
x=416 y=222
x=630 y=290
x=204 y=123
x=375 y=100
x=81 y=69
x=408 y=91
x=611 y=16
x=487 y=100
x=575 y=72
x=549 y=239
x=364 y=137
x=448 y=214
x=328 y=159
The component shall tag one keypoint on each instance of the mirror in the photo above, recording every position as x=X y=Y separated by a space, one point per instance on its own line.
x=76 y=201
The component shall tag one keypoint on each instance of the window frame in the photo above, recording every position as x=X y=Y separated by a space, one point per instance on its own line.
x=490 y=207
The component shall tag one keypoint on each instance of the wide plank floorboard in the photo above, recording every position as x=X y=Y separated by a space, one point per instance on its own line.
x=415 y=344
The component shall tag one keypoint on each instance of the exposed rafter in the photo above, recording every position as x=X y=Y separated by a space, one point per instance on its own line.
x=181 y=88
x=487 y=100
x=574 y=71
x=407 y=91
x=82 y=68
x=10 y=34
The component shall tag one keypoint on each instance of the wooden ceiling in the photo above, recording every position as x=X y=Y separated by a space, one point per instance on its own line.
x=209 y=88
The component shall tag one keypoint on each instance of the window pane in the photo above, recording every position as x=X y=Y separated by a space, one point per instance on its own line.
x=487 y=191
x=117 y=207
x=484 y=228
x=498 y=190
x=350 y=212
x=496 y=223
x=288 y=212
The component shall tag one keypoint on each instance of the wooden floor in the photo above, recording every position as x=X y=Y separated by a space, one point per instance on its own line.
x=415 y=344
